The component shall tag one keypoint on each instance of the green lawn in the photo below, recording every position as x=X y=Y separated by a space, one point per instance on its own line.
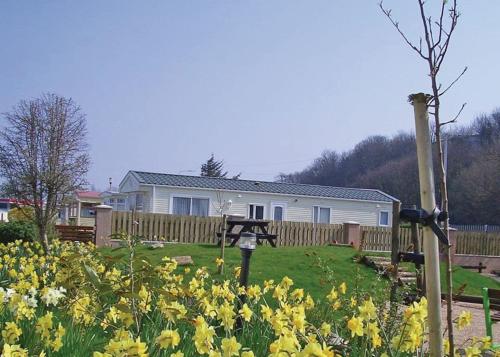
x=301 y=264
x=470 y=279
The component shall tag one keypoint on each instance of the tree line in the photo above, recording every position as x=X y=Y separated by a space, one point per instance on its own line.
x=390 y=164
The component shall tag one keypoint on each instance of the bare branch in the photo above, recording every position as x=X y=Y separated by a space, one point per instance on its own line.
x=430 y=53
x=454 y=15
x=453 y=83
x=455 y=118
x=387 y=13
x=440 y=24
x=431 y=32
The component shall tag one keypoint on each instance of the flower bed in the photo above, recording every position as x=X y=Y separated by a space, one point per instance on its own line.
x=80 y=302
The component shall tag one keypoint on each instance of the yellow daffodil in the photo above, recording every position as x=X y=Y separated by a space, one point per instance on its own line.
x=11 y=333
x=355 y=324
x=464 y=319
x=246 y=312
x=230 y=347
x=168 y=338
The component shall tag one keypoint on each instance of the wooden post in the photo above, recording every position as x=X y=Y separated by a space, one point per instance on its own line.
x=103 y=215
x=417 y=250
x=428 y=202
x=352 y=235
x=78 y=212
x=396 y=207
x=223 y=242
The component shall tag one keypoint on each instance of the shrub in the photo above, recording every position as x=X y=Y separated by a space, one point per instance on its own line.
x=17 y=230
x=25 y=214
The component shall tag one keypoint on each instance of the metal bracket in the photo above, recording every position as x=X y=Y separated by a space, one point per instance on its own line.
x=424 y=218
x=411 y=257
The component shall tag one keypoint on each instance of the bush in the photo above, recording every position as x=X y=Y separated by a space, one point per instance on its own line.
x=17 y=230
x=25 y=214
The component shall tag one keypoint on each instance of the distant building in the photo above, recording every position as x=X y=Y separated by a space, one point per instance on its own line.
x=202 y=196
x=5 y=205
x=79 y=210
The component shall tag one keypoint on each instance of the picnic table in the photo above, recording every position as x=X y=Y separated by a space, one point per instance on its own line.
x=247 y=225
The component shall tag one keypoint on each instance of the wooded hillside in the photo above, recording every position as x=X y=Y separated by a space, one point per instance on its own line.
x=390 y=164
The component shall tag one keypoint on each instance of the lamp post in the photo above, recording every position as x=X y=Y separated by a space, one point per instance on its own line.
x=248 y=242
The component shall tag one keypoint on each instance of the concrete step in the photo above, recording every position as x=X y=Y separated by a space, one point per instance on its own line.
x=407 y=273
x=377 y=258
x=407 y=279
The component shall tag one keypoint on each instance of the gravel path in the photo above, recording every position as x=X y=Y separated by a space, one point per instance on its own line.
x=477 y=327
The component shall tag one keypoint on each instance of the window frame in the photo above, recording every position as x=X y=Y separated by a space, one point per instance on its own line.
x=257 y=204
x=284 y=208
x=179 y=195
x=139 y=208
x=319 y=214
x=87 y=211
x=380 y=218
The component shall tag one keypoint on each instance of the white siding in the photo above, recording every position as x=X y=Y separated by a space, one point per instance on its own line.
x=162 y=199
x=298 y=209
x=129 y=184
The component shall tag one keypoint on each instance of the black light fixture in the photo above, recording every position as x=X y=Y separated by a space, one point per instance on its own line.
x=248 y=243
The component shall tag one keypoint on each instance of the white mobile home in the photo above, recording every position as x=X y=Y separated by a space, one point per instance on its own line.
x=204 y=196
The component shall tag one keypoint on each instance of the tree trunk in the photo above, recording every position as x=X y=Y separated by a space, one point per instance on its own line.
x=444 y=207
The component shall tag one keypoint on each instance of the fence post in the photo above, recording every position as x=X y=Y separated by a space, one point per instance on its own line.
x=352 y=234
x=103 y=215
x=452 y=236
x=396 y=207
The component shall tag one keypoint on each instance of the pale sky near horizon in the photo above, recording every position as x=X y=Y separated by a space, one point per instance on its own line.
x=264 y=85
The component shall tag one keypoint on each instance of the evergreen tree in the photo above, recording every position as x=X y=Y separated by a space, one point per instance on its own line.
x=213 y=168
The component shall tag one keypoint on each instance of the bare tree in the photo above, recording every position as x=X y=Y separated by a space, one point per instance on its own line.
x=432 y=49
x=221 y=206
x=43 y=155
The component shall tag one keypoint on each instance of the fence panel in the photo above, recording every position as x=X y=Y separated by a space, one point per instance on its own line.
x=478 y=243
x=186 y=229
x=379 y=238
x=477 y=227
x=203 y=230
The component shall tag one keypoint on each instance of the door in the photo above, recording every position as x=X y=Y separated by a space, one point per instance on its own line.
x=278 y=211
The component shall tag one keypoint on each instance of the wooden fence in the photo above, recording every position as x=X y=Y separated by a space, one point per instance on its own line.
x=188 y=229
x=478 y=243
x=379 y=238
x=473 y=243
x=477 y=227
x=82 y=234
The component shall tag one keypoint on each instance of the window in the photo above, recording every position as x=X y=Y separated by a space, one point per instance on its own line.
x=321 y=214
x=4 y=205
x=190 y=206
x=383 y=218
x=256 y=211
x=118 y=204
x=87 y=212
x=139 y=201
x=121 y=204
x=278 y=211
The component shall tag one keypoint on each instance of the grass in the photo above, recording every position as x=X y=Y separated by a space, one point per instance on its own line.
x=299 y=263
x=302 y=265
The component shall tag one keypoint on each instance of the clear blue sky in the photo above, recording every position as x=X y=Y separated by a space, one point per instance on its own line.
x=265 y=85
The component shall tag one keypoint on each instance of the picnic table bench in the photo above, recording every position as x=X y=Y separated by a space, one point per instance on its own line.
x=82 y=234
x=480 y=267
x=247 y=225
